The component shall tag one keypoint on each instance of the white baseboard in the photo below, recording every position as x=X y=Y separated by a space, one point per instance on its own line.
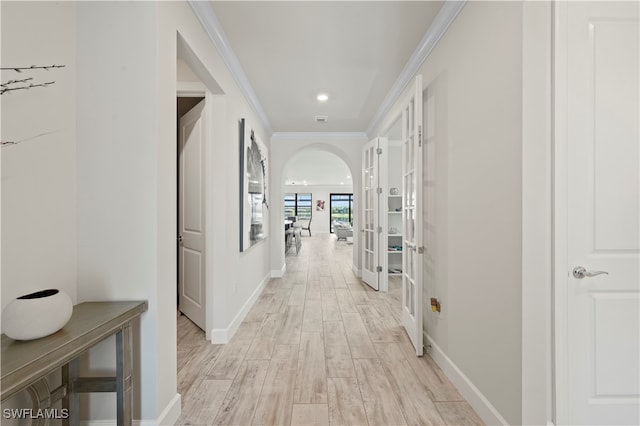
x=279 y=273
x=468 y=390
x=356 y=271
x=223 y=335
x=169 y=416
x=171 y=412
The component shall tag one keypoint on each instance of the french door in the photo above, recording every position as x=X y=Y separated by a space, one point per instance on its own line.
x=370 y=215
x=413 y=246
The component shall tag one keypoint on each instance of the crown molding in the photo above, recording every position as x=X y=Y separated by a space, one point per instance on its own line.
x=207 y=17
x=447 y=14
x=315 y=136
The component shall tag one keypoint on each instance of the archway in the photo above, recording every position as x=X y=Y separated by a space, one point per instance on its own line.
x=312 y=179
x=285 y=154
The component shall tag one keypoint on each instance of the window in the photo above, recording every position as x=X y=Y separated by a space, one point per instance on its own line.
x=341 y=207
x=297 y=205
x=289 y=205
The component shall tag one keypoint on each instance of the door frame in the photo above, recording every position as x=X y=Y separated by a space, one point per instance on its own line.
x=216 y=232
x=560 y=220
x=542 y=153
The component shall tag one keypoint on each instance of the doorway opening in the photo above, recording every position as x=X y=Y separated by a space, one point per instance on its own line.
x=340 y=209
x=198 y=114
x=310 y=177
x=190 y=215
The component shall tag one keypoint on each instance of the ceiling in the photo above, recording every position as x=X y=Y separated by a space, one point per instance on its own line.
x=353 y=51
x=317 y=167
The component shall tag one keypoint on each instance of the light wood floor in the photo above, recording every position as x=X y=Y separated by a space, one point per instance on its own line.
x=319 y=347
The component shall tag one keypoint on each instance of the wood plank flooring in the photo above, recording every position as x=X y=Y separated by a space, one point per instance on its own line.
x=319 y=347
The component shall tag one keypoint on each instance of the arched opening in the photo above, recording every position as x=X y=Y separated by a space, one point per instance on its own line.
x=318 y=186
x=328 y=168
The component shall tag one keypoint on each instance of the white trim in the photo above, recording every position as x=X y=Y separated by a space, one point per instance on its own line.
x=447 y=14
x=559 y=215
x=330 y=187
x=169 y=416
x=467 y=389
x=223 y=335
x=171 y=412
x=205 y=14
x=356 y=271
x=275 y=273
x=186 y=89
x=537 y=255
x=315 y=136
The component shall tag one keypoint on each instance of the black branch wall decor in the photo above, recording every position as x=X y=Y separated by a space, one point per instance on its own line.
x=25 y=83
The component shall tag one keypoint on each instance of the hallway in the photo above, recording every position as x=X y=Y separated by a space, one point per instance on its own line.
x=318 y=347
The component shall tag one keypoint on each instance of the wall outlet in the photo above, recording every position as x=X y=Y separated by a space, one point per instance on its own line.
x=435 y=305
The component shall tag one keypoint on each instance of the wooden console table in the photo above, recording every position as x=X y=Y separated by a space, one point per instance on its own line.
x=26 y=363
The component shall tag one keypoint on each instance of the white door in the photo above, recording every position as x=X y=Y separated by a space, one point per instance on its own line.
x=603 y=314
x=413 y=246
x=191 y=215
x=370 y=215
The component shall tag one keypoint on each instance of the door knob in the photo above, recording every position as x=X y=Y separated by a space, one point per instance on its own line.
x=580 y=272
x=180 y=238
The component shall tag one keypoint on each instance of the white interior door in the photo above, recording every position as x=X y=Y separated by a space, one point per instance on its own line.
x=370 y=215
x=603 y=314
x=413 y=246
x=191 y=215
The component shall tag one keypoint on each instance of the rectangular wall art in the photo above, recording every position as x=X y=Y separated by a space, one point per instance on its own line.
x=254 y=176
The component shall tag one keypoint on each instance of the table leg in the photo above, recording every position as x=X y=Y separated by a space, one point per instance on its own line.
x=71 y=401
x=40 y=398
x=123 y=376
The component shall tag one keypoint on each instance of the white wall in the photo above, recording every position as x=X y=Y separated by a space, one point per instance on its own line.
x=473 y=126
x=320 y=219
x=128 y=162
x=117 y=182
x=116 y=231
x=283 y=148
x=38 y=175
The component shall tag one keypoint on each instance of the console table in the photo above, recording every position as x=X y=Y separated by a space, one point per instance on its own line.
x=26 y=363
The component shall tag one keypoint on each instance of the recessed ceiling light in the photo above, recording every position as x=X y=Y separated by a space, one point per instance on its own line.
x=323 y=97
x=348 y=177
x=341 y=183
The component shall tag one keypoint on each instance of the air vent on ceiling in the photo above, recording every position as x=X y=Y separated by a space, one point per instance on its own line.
x=322 y=118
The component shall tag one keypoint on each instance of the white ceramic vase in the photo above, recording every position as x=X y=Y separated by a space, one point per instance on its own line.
x=37 y=314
